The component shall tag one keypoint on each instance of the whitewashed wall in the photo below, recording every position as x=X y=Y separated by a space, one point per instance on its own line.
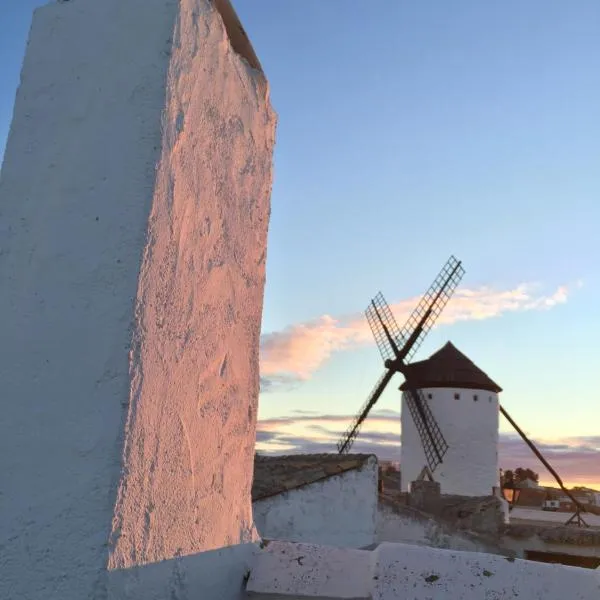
x=134 y=204
x=470 y=466
x=338 y=511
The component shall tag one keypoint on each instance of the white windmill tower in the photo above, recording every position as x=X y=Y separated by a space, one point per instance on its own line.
x=464 y=401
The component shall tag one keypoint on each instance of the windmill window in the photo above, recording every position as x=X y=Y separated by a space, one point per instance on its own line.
x=457 y=396
x=429 y=396
x=490 y=398
x=475 y=398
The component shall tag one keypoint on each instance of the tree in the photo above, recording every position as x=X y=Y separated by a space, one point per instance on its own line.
x=522 y=475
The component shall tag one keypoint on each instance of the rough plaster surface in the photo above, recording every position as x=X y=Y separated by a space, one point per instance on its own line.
x=339 y=511
x=134 y=202
x=470 y=427
x=399 y=572
x=191 y=426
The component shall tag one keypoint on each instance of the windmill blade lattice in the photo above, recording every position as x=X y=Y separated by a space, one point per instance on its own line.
x=432 y=439
x=397 y=347
x=380 y=317
x=348 y=438
x=429 y=308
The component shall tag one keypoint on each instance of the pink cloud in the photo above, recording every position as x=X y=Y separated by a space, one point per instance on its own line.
x=299 y=350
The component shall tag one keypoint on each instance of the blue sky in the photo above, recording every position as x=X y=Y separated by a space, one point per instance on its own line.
x=407 y=133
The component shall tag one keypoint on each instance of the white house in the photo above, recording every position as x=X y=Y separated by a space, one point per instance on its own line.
x=326 y=499
x=464 y=401
x=528 y=484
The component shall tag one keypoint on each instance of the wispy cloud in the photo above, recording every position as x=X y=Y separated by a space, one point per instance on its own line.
x=294 y=354
x=577 y=459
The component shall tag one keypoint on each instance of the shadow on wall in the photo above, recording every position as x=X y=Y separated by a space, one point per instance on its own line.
x=237 y=34
x=216 y=575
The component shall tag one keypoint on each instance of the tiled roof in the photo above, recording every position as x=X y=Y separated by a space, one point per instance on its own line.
x=448 y=367
x=277 y=474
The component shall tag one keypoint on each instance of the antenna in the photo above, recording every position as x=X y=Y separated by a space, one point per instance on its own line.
x=397 y=347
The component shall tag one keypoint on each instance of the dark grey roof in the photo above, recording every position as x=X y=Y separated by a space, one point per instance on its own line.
x=448 y=367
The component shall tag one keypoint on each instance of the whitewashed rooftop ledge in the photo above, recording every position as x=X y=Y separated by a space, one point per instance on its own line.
x=400 y=571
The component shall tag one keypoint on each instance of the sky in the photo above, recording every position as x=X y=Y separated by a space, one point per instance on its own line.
x=408 y=132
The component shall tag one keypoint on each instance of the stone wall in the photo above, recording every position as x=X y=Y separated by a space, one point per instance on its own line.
x=406 y=524
x=483 y=514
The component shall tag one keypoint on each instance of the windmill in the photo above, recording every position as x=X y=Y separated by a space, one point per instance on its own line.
x=397 y=347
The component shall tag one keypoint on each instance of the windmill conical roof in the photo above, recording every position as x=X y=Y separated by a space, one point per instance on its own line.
x=449 y=368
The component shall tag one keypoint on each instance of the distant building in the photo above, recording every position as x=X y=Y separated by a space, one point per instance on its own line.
x=566 y=504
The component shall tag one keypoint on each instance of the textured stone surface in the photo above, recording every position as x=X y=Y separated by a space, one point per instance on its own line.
x=134 y=204
x=191 y=426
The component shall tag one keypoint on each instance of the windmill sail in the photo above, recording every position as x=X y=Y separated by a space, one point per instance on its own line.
x=398 y=346
x=384 y=327
x=429 y=308
x=433 y=442
x=347 y=440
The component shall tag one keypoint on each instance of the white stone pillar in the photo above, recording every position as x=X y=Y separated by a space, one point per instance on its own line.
x=134 y=205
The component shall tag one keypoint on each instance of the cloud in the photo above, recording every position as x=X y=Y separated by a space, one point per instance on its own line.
x=294 y=354
x=576 y=459
x=384 y=417
x=280 y=383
